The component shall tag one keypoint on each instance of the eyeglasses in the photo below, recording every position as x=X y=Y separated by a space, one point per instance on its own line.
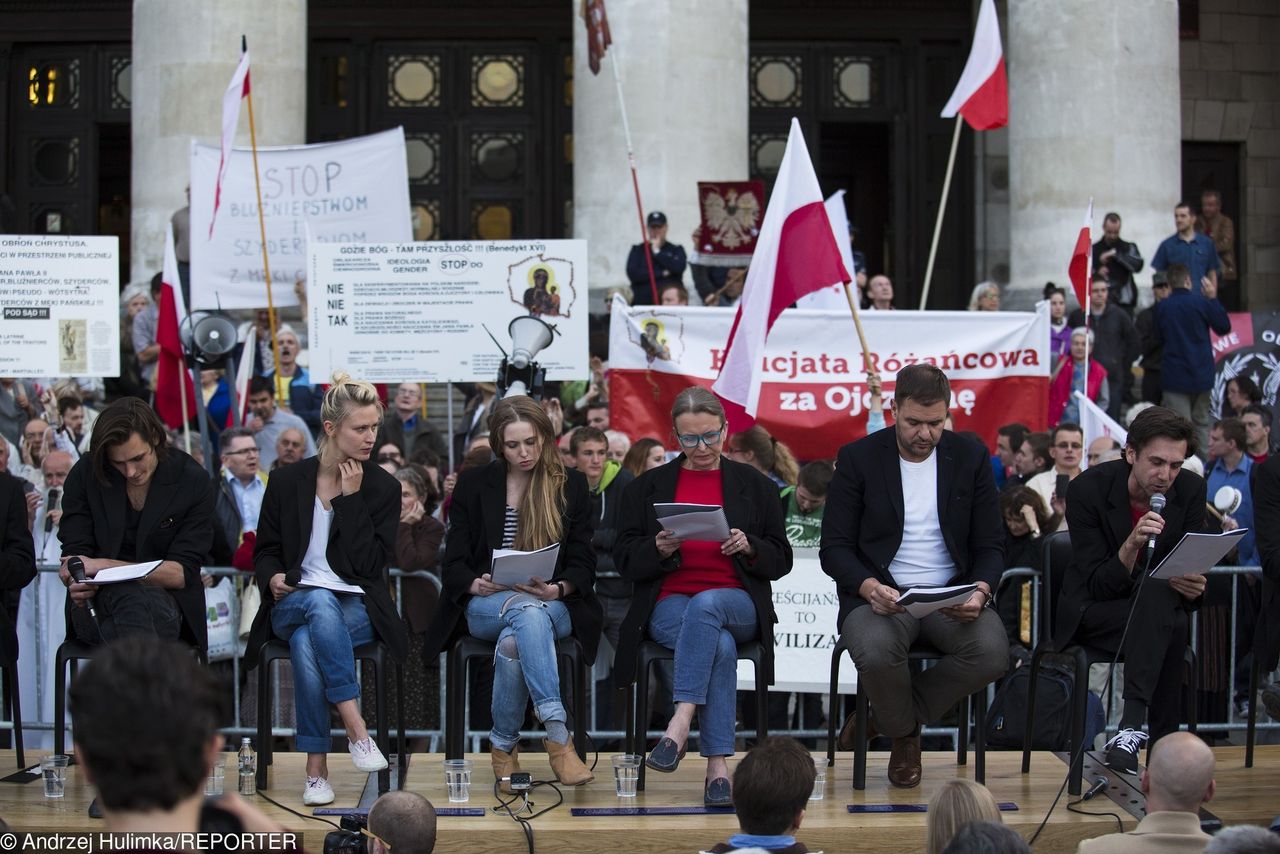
x=691 y=440
x=367 y=832
x=1069 y=445
x=254 y=451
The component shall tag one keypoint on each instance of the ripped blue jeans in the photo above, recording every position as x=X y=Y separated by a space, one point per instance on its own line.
x=524 y=665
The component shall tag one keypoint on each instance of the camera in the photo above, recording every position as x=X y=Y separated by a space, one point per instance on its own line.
x=348 y=840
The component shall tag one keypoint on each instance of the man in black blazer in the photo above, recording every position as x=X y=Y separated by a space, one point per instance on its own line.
x=914 y=505
x=1266 y=520
x=134 y=499
x=1110 y=520
x=17 y=560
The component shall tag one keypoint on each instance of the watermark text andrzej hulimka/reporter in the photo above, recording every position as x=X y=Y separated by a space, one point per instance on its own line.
x=134 y=841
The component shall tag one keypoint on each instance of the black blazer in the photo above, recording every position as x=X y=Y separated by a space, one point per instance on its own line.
x=476 y=518
x=863 y=520
x=17 y=560
x=176 y=525
x=1266 y=525
x=1099 y=520
x=750 y=504
x=362 y=541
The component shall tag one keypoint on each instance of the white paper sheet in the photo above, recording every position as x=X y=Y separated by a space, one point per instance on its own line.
x=128 y=572
x=512 y=566
x=328 y=584
x=921 y=601
x=694 y=521
x=1197 y=553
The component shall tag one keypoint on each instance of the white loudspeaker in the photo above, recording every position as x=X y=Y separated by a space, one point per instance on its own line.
x=1227 y=500
x=529 y=336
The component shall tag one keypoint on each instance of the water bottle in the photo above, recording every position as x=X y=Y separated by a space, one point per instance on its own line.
x=248 y=768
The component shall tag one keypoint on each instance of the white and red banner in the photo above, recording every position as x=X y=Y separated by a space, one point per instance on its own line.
x=814 y=394
x=1079 y=268
x=237 y=91
x=982 y=95
x=175 y=392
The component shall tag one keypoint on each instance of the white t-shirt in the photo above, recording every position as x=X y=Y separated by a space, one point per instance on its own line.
x=922 y=557
x=316 y=571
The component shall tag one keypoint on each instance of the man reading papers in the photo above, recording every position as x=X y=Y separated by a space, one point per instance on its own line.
x=913 y=506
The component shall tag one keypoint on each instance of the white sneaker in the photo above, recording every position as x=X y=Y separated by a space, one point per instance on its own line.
x=366 y=755
x=318 y=792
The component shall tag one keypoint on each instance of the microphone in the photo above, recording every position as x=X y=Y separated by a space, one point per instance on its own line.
x=1099 y=786
x=51 y=501
x=1157 y=507
x=75 y=566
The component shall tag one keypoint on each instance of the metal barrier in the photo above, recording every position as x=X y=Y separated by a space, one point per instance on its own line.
x=817 y=730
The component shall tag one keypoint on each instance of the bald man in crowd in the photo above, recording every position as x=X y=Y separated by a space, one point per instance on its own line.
x=1178 y=779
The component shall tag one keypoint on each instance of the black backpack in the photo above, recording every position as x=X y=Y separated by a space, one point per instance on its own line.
x=1007 y=717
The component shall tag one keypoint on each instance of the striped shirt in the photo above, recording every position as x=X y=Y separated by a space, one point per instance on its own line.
x=509 y=524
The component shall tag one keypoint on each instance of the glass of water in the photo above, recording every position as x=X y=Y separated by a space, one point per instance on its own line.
x=217 y=773
x=819 y=780
x=457 y=777
x=626 y=774
x=54 y=770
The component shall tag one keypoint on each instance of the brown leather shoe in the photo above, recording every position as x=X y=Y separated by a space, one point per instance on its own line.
x=568 y=768
x=504 y=764
x=904 y=762
x=846 y=739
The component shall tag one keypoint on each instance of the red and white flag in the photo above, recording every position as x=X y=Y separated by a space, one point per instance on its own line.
x=796 y=254
x=244 y=372
x=237 y=90
x=982 y=95
x=598 y=37
x=1080 y=269
x=173 y=379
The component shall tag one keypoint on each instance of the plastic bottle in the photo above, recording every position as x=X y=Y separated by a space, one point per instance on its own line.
x=248 y=769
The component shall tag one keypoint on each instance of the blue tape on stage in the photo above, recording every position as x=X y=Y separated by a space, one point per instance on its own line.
x=361 y=811
x=1006 y=806
x=600 y=812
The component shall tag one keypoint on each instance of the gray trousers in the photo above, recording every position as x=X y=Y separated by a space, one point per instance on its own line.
x=1195 y=408
x=974 y=655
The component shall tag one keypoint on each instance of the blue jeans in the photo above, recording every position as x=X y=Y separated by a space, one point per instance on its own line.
x=524 y=663
x=323 y=628
x=705 y=630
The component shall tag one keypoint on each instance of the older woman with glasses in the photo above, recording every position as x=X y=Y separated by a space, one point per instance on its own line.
x=698 y=597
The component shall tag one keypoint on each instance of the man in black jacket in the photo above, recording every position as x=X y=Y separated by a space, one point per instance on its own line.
x=1117 y=344
x=1104 y=591
x=668 y=261
x=17 y=559
x=1117 y=260
x=912 y=506
x=1266 y=518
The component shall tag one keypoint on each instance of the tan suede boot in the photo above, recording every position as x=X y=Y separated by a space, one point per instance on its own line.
x=504 y=764
x=565 y=763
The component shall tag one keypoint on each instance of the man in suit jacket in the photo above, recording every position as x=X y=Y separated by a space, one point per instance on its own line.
x=134 y=499
x=1110 y=522
x=1266 y=518
x=17 y=560
x=909 y=506
x=1178 y=780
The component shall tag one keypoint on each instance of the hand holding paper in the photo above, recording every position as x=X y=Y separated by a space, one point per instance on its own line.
x=694 y=521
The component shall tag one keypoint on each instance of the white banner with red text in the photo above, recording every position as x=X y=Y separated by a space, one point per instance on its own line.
x=814 y=394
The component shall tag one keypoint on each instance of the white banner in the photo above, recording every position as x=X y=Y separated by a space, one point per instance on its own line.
x=417 y=312
x=60 y=302
x=807 y=606
x=354 y=191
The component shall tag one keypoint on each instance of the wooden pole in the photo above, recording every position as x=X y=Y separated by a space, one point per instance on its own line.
x=872 y=373
x=942 y=207
x=262 y=233
x=635 y=179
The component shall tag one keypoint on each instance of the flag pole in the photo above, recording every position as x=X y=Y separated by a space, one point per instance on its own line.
x=635 y=180
x=262 y=232
x=182 y=393
x=942 y=207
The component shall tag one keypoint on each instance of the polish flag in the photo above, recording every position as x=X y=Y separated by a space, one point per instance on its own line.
x=796 y=254
x=1080 y=269
x=237 y=90
x=982 y=95
x=173 y=379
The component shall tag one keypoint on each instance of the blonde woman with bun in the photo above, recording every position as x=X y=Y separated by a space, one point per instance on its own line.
x=325 y=536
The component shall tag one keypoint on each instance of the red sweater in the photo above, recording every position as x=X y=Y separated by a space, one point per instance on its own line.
x=702 y=566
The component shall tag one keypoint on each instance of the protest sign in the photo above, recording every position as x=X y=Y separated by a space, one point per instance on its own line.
x=815 y=397
x=1251 y=349
x=354 y=191
x=60 y=302
x=417 y=312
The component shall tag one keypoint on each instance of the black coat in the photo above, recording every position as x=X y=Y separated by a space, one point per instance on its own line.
x=476 y=519
x=863 y=520
x=1266 y=524
x=17 y=560
x=750 y=504
x=362 y=541
x=1099 y=520
x=176 y=525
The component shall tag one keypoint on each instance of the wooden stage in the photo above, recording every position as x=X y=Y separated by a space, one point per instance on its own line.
x=1244 y=796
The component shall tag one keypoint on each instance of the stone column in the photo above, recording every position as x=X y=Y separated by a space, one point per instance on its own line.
x=184 y=52
x=1094 y=110
x=684 y=78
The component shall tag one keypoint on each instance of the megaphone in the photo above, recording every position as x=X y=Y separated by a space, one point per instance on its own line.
x=208 y=338
x=1227 y=500
x=529 y=336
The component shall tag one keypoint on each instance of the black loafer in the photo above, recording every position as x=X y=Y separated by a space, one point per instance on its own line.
x=665 y=757
x=717 y=793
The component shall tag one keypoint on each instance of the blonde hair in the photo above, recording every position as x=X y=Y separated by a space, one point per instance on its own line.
x=345 y=395
x=542 y=513
x=772 y=456
x=957 y=803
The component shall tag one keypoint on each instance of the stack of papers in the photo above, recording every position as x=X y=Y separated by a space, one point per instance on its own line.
x=128 y=572
x=512 y=566
x=920 y=601
x=694 y=521
x=1197 y=553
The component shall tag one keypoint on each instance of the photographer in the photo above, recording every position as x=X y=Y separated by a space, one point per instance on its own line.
x=403 y=822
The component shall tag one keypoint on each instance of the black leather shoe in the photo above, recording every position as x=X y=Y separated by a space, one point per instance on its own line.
x=665 y=757
x=717 y=793
x=95 y=811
